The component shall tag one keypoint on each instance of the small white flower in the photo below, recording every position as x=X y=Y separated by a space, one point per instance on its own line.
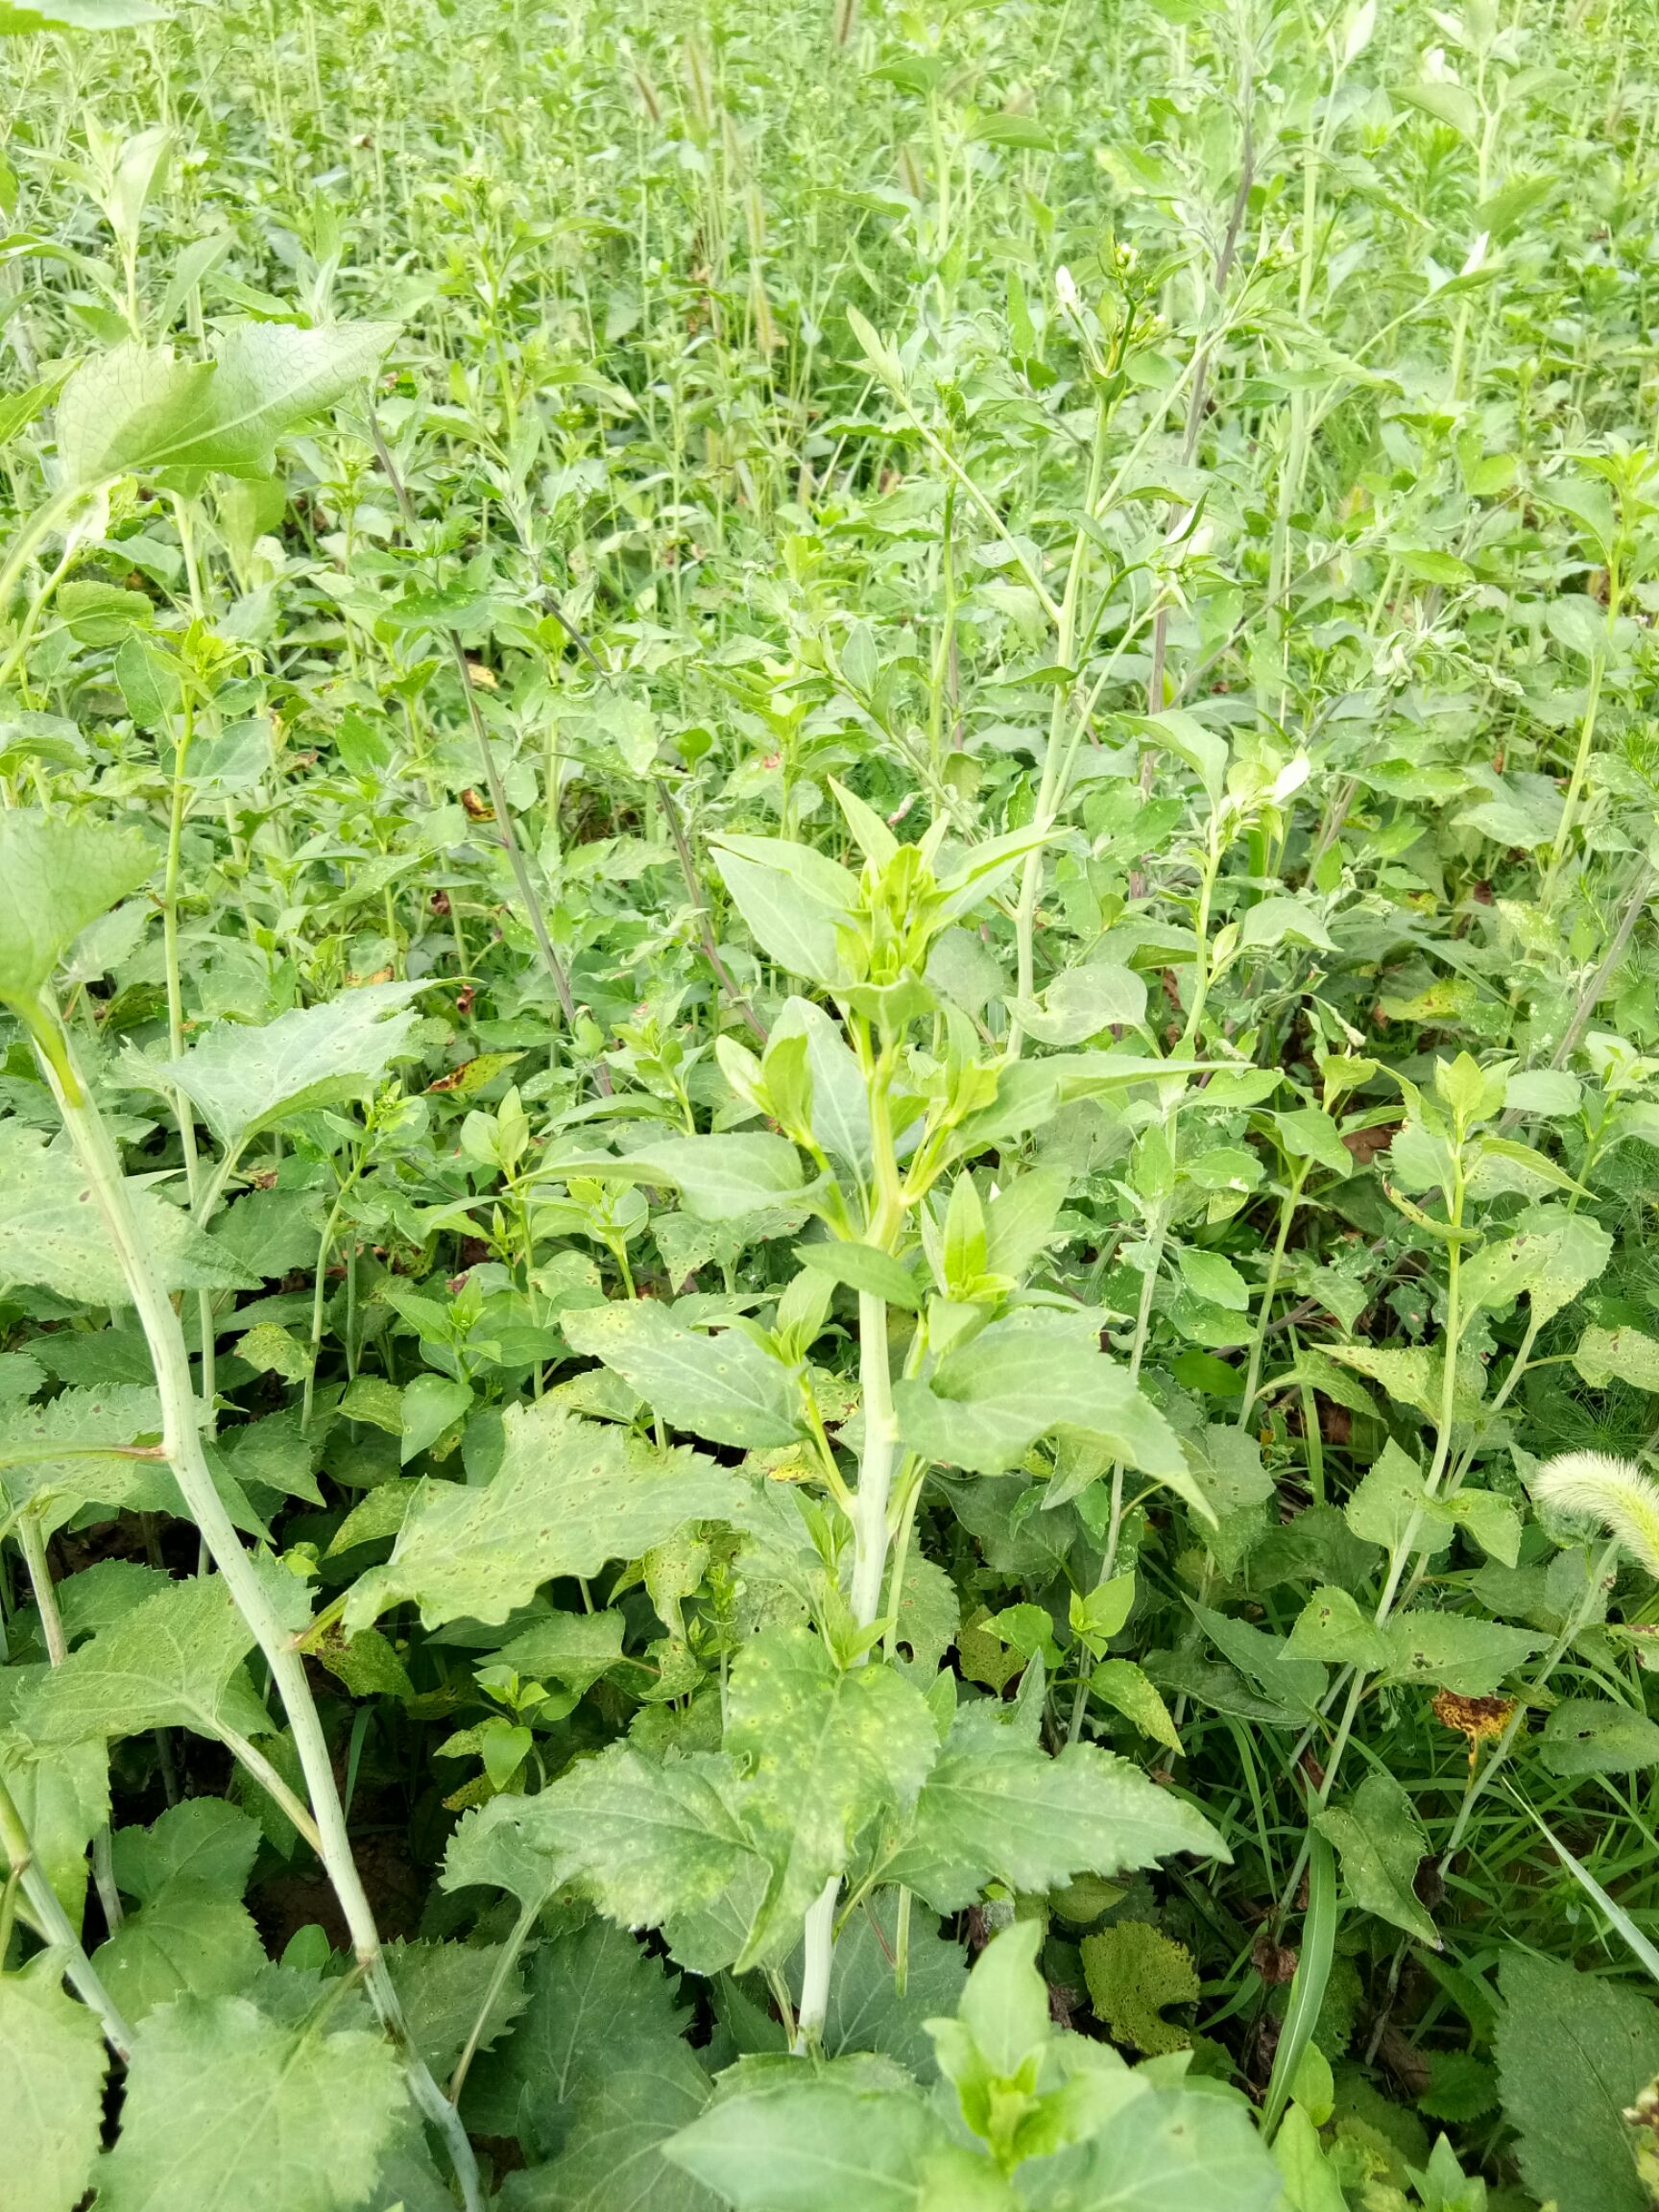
x=1066 y=289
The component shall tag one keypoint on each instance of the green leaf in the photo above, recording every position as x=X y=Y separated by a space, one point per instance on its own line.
x=61 y=1793
x=1160 y=2149
x=793 y=899
x=989 y=1400
x=442 y=1988
x=52 y=2067
x=189 y=1937
x=1133 y=1971
x=997 y=1809
x=1307 y=1133
x=174 y=1661
x=1213 y=1276
x=866 y=2010
x=1390 y=1495
x=246 y=1080
x=1455 y=1651
x=1277 y=921
x=1128 y=1690
x=428 y=1408
x=1330 y=1627
x=224 y=2108
x=1602 y=1356
x=840 y=1101
x=1082 y=1001
x=53 y=1234
x=47 y=1461
x=597 y=2004
x=1381 y=1843
x=568 y=1495
x=725 y=1388
x=139 y=409
x=719 y=1178
x=863 y=1268
x=826 y=1753
x=829 y=2144
x=614 y=2157
x=643 y=1839
x=202 y=1840
x=56 y=877
x=1574 y=2053
x=1594 y=1735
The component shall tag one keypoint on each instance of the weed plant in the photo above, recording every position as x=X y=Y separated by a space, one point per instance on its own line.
x=830 y=1087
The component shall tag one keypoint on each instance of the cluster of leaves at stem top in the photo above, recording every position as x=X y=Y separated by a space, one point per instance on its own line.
x=830 y=1066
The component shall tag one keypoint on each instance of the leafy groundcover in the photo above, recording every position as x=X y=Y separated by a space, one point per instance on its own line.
x=828 y=1106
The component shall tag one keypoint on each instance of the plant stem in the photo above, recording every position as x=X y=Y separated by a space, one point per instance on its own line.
x=1286 y=1214
x=181 y=1442
x=53 y=1923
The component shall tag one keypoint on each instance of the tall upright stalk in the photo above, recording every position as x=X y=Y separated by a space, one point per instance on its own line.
x=182 y=1445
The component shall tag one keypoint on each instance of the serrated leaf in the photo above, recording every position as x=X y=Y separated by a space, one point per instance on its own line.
x=826 y=1753
x=1381 y=1843
x=47 y=1461
x=1574 y=2053
x=568 y=1495
x=203 y=1840
x=644 y=1839
x=56 y=876
x=173 y=1662
x=246 y=1080
x=442 y=1988
x=53 y=1234
x=190 y=1938
x=596 y=2003
x=1133 y=1971
x=224 y=2108
x=613 y=2159
x=725 y=1386
x=52 y=2067
x=997 y=1809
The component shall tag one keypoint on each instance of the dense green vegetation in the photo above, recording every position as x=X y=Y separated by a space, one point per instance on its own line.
x=830 y=1089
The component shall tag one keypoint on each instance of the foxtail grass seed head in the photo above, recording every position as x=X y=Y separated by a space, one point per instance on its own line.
x=1612 y=1491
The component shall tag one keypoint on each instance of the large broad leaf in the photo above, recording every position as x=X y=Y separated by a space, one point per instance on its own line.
x=1162 y=2150
x=1602 y=1356
x=866 y=2011
x=613 y=2159
x=725 y=1388
x=61 y=1793
x=718 y=1178
x=793 y=899
x=1455 y=1651
x=1574 y=2053
x=202 y=1840
x=173 y=1662
x=989 y=1400
x=224 y=2108
x=645 y=1840
x=1382 y=1845
x=995 y=1807
x=53 y=1234
x=829 y=2142
x=50 y=1463
x=442 y=1988
x=55 y=876
x=51 y=2066
x=599 y=2004
x=244 y=1080
x=568 y=1495
x=826 y=1751
x=139 y=408
x=189 y=1937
